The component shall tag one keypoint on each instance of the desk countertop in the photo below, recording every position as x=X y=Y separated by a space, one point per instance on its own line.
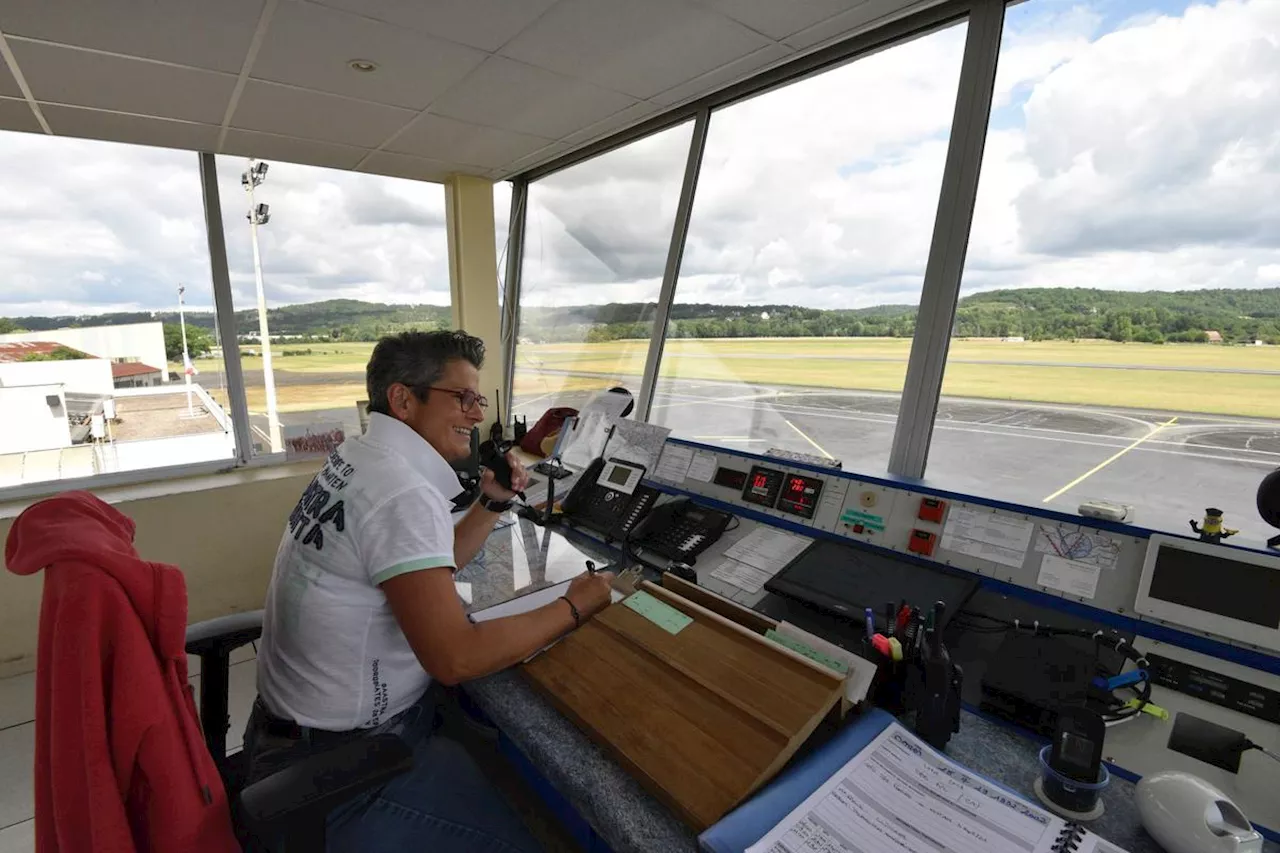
x=630 y=820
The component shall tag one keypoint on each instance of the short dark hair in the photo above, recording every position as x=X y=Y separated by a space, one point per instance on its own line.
x=416 y=359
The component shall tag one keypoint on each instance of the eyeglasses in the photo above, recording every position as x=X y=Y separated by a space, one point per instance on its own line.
x=466 y=397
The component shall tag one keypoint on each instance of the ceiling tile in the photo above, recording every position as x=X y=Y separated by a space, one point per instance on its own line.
x=863 y=17
x=137 y=130
x=454 y=141
x=486 y=24
x=537 y=158
x=17 y=115
x=511 y=95
x=314 y=115
x=777 y=19
x=309 y=45
x=637 y=48
x=622 y=119
x=724 y=76
x=190 y=32
x=416 y=168
x=8 y=85
x=269 y=146
x=85 y=79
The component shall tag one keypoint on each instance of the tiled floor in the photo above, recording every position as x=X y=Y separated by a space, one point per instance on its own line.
x=17 y=742
x=17 y=745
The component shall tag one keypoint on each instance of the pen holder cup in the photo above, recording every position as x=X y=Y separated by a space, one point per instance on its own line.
x=1069 y=797
x=889 y=683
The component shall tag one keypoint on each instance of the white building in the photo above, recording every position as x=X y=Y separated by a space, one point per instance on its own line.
x=126 y=344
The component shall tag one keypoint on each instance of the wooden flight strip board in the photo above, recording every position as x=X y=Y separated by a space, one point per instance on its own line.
x=700 y=709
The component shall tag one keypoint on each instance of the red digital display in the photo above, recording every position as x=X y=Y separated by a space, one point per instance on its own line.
x=800 y=496
x=763 y=485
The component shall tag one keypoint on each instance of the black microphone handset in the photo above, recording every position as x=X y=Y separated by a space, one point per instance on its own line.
x=493 y=455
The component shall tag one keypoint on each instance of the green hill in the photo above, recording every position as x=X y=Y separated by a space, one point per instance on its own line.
x=1036 y=313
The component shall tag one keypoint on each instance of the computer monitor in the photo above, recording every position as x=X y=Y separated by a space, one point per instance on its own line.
x=1226 y=591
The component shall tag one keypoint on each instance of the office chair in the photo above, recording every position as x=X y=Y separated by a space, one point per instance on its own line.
x=284 y=812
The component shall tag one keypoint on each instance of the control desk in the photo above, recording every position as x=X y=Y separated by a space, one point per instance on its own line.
x=1206 y=617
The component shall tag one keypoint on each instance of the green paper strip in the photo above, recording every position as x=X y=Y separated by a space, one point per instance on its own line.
x=812 y=654
x=658 y=612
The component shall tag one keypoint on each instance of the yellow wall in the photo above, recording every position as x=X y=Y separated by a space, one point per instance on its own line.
x=473 y=278
x=221 y=530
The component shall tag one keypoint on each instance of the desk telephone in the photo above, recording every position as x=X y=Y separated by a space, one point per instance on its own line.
x=609 y=498
x=680 y=529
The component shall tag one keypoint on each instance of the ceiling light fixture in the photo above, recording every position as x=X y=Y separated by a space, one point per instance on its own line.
x=364 y=66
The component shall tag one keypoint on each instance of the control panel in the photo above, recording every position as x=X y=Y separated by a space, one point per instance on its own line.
x=1082 y=560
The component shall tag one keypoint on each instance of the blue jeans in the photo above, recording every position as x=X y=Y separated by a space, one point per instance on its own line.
x=444 y=804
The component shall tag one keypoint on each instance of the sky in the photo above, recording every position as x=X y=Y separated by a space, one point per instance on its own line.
x=1134 y=144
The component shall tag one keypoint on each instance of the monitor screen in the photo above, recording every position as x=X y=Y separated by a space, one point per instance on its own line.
x=619 y=475
x=1230 y=588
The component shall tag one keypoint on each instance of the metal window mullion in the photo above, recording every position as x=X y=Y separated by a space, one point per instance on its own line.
x=224 y=308
x=923 y=385
x=511 y=289
x=675 y=255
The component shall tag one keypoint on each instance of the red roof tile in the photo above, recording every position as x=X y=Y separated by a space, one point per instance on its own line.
x=19 y=350
x=131 y=368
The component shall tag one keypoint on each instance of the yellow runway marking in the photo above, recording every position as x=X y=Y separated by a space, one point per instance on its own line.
x=806 y=438
x=1095 y=469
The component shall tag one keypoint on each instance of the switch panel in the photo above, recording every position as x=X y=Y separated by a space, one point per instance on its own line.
x=932 y=509
x=922 y=542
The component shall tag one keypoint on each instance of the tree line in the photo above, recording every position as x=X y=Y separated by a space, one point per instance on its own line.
x=1238 y=315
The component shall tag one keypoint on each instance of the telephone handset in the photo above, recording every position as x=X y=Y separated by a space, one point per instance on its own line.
x=680 y=529
x=609 y=498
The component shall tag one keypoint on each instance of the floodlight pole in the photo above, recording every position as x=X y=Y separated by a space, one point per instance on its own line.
x=252 y=177
x=186 y=358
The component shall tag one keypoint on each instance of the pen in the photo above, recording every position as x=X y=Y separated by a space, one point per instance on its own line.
x=888 y=619
x=912 y=630
x=871 y=624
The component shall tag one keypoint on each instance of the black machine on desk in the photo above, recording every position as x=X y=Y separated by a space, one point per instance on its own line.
x=609 y=498
x=680 y=530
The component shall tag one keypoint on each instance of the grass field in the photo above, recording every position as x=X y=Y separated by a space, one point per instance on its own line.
x=1049 y=371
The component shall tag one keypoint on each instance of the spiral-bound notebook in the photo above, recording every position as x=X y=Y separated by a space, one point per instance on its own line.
x=898 y=793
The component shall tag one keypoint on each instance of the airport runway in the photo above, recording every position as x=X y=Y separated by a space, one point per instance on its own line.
x=1169 y=465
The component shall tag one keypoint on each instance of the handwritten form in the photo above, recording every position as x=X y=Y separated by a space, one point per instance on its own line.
x=898 y=794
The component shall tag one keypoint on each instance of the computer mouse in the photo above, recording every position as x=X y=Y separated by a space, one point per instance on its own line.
x=1185 y=814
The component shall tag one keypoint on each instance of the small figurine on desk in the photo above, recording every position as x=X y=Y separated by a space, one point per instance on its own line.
x=1212 y=529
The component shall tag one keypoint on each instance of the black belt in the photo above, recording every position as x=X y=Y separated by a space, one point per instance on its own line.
x=285 y=728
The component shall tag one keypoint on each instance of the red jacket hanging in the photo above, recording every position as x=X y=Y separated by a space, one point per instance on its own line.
x=120 y=763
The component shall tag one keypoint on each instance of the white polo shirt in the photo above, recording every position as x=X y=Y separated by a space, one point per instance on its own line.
x=332 y=655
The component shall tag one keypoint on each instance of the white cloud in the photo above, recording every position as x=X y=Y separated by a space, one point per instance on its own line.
x=1139 y=154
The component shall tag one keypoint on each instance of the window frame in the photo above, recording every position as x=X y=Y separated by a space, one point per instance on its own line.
x=939 y=296
x=953 y=222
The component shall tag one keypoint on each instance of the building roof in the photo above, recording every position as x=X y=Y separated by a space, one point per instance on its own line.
x=121 y=370
x=21 y=350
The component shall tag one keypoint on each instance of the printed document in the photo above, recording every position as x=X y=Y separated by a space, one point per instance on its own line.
x=898 y=794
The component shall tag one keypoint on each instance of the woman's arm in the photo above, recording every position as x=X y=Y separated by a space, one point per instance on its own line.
x=452 y=648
